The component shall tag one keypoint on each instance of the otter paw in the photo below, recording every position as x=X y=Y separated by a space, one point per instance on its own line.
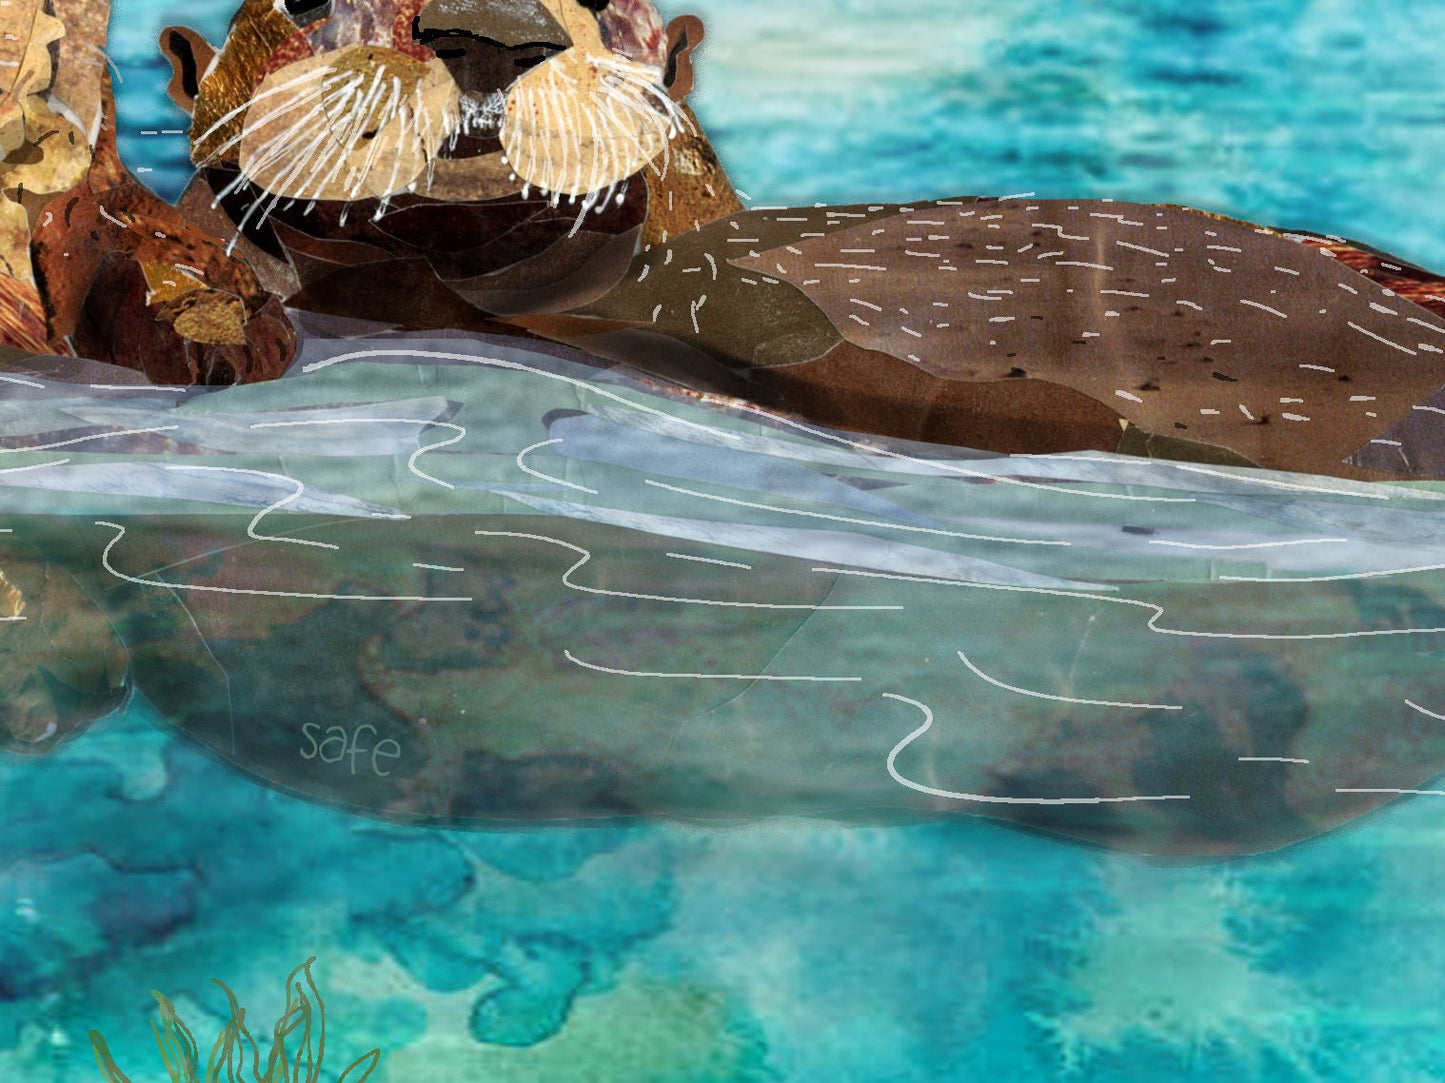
x=62 y=666
x=176 y=330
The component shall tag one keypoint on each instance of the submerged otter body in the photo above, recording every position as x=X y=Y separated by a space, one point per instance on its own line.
x=852 y=626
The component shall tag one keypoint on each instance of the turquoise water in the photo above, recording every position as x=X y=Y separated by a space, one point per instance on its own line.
x=793 y=949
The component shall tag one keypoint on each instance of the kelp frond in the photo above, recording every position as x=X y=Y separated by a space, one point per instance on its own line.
x=298 y=1043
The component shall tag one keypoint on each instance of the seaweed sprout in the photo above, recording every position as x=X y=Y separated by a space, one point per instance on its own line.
x=296 y=1046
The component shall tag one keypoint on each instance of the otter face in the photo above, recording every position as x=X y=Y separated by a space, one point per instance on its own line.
x=355 y=100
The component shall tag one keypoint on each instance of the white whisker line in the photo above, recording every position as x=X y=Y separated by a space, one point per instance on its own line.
x=311 y=152
x=279 y=88
x=858 y=522
x=277 y=147
x=394 y=112
x=587 y=556
x=1271 y=759
x=302 y=158
x=437 y=568
x=1062 y=699
x=336 y=104
x=460 y=431
x=162 y=584
x=986 y=798
x=382 y=118
x=1399 y=793
x=548 y=477
x=706 y=676
x=257 y=124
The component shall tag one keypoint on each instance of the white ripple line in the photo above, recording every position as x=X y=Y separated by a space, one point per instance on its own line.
x=1294 y=486
x=741 y=406
x=1062 y=699
x=1342 y=578
x=548 y=477
x=846 y=519
x=83 y=439
x=710 y=560
x=1270 y=759
x=251 y=526
x=1400 y=793
x=703 y=676
x=587 y=556
x=1417 y=707
x=951 y=795
x=33 y=466
x=1251 y=545
x=161 y=583
x=460 y=431
x=1151 y=623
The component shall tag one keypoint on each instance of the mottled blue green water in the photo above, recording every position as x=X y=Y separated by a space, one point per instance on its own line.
x=794 y=950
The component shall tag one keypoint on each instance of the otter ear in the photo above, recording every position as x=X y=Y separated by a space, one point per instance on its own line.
x=190 y=56
x=684 y=34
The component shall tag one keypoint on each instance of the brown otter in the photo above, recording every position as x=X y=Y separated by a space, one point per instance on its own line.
x=91 y=262
x=450 y=163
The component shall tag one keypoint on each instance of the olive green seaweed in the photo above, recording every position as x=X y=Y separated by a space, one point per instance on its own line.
x=296 y=1048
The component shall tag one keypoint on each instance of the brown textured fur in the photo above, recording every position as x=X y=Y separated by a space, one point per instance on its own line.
x=95 y=264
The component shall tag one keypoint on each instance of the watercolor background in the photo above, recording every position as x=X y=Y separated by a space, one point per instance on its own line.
x=790 y=950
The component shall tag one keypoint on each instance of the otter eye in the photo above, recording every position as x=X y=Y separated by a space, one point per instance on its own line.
x=305 y=12
x=532 y=59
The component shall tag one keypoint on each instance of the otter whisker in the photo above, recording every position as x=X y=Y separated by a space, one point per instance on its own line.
x=267 y=119
x=423 y=116
x=276 y=148
x=303 y=157
x=366 y=106
x=324 y=158
x=396 y=156
x=245 y=219
x=382 y=119
x=279 y=88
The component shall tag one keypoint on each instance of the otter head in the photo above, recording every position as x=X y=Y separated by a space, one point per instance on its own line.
x=456 y=100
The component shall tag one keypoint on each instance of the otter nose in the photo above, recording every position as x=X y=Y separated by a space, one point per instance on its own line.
x=512 y=24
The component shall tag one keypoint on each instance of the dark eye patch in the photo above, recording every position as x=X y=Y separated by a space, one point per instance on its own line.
x=305 y=12
x=594 y=5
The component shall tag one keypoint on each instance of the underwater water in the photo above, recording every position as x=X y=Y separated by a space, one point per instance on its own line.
x=788 y=948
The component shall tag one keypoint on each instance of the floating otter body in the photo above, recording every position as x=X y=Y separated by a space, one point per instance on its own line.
x=527 y=173
x=524 y=149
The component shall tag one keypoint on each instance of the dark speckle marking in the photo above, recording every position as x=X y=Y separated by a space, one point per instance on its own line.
x=1224 y=378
